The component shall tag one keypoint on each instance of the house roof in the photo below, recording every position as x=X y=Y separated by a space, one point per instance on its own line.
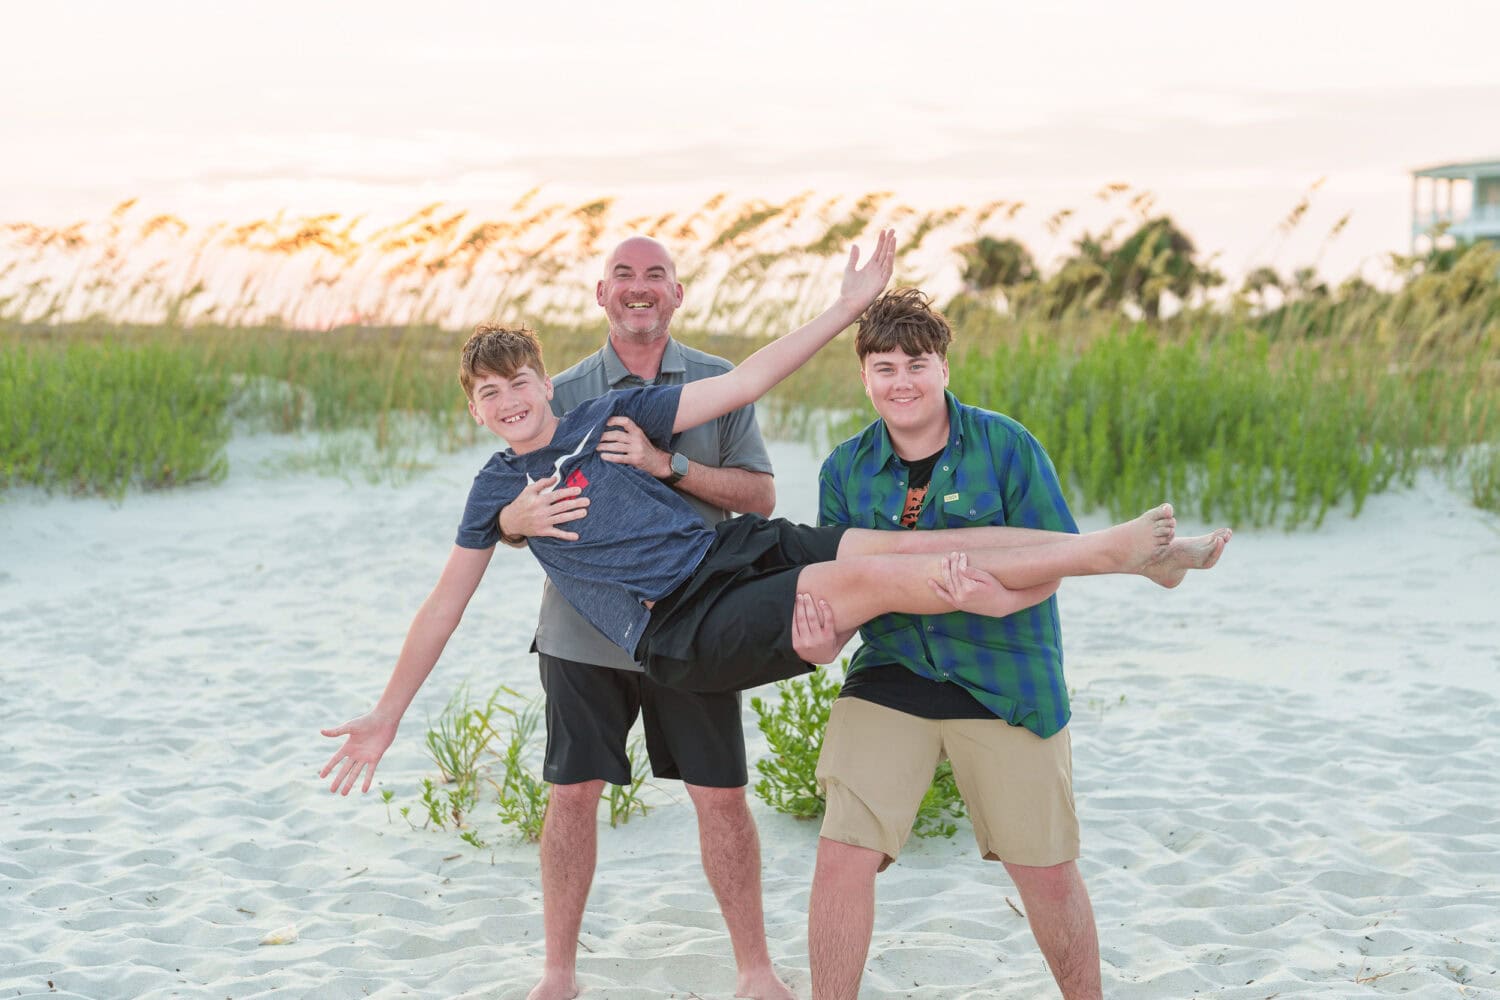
x=1460 y=171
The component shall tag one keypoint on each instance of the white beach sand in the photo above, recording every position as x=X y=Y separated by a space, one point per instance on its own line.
x=1286 y=769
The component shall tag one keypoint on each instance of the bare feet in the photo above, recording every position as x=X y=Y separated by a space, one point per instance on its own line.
x=1137 y=544
x=556 y=984
x=763 y=984
x=1183 y=554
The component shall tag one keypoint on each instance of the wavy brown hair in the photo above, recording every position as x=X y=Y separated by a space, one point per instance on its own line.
x=903 y=320
x=493 y=349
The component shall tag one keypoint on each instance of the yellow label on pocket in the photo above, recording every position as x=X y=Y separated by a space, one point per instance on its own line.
x=950 y=498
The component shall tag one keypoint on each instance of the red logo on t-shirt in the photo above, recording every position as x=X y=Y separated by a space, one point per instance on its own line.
x=576 y=478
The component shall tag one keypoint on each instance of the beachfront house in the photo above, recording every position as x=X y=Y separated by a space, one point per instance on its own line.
x=1463 y=197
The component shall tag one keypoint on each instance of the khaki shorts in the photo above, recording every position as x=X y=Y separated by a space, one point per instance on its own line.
x=877 y=763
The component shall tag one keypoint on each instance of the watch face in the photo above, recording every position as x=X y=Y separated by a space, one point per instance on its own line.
x=679 y=464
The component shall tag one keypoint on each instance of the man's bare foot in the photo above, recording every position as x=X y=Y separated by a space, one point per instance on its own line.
x=556 y=984
x=1136 y=544
x=1183 y=554
x=763 y=984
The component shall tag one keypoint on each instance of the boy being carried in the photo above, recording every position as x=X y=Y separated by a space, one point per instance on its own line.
x=650 y=576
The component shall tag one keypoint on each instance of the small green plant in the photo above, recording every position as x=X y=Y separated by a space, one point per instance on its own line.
x=457 y=743
x=521 y=797
x=794 y=728
x=941 y=806
x=625 y=800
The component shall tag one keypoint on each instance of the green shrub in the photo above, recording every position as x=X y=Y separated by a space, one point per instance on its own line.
x=472 y=753
x=794 y=727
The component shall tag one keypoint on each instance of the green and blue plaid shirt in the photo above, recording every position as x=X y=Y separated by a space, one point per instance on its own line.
x=993 y=472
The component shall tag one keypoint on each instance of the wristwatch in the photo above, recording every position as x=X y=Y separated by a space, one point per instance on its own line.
x=679 y=468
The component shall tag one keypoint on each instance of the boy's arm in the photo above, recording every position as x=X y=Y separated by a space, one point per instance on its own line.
x=371 y=733
x=704 y=400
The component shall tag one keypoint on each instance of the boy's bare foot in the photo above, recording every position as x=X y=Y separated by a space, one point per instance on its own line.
x=555 y=985
x=763 y=984
x=1135 y=545
x=1183 y=554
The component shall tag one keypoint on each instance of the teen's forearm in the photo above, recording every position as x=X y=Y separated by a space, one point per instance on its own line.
x=761 y=371
x=739 y=490
x=709 y=398
x=431 y=627
x=425 y=641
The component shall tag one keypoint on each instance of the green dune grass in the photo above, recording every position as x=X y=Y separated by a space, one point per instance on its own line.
x=1240 y=427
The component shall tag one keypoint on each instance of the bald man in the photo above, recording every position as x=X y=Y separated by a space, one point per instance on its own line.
x=594 y=691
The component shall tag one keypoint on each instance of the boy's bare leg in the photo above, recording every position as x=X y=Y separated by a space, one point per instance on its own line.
x=731 y=860
x=570 y=841
x=1128 y=547
x=1062 y=921
x=862 y=586
x=841 y=918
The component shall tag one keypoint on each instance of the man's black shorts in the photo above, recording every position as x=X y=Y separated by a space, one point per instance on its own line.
x=692 y=737
x=729 y=626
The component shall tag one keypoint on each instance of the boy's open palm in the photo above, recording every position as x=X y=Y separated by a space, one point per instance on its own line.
x=862 y=284
x=369 y=737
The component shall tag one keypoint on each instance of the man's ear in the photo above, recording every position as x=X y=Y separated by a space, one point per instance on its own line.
x=599 y=292
x=677 y=287
x=547 y=384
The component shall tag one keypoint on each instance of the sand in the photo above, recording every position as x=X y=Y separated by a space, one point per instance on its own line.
x=1286 y=769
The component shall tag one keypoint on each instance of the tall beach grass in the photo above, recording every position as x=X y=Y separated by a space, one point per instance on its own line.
x=1256 y=407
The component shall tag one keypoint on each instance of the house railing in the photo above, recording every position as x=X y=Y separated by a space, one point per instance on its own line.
x=1479 y=216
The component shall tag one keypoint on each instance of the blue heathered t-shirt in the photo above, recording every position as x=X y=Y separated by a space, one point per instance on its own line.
x=640 y=539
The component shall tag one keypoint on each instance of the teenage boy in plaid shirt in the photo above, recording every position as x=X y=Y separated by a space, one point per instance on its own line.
x=988 y=693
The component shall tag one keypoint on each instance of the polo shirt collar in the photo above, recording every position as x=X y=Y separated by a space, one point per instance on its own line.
x=672 y=361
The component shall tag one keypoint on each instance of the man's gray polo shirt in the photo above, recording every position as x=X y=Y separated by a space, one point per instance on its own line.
x=731 y=441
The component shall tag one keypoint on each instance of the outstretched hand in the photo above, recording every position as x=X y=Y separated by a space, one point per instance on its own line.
x=863 y=284
x=369 y=737
x=538 y=510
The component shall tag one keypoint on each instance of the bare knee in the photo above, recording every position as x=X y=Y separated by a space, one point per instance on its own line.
x=846 y=863
x=573 y=800
x=1050 y=883
x=718 y=804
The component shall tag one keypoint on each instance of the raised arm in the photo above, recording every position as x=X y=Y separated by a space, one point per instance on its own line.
x=704 y=400
x=371 y=734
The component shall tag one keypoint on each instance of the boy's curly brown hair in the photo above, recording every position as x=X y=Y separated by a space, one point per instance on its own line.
x=903 y=320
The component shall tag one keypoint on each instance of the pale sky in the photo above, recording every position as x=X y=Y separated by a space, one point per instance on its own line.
x=1227 y=112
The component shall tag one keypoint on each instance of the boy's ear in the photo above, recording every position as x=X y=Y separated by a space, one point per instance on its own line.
x=474 y=413
x=945 y=373
x=864 y=378
x=547 y=383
